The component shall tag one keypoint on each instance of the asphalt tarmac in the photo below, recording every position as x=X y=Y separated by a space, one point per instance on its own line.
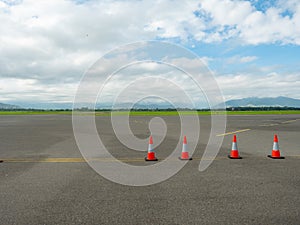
x=44 y=179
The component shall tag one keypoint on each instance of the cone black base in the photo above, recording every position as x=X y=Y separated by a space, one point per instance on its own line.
x=234 y=157
x=281 y=157
x=146 y=159
x=185 y=159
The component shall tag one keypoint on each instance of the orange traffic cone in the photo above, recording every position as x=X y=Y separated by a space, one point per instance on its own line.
x=151 y=153
x=234 y=154
x=184 y=153
x=276 y=151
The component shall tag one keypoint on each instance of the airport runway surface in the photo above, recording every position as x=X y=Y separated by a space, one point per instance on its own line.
x=44 y=179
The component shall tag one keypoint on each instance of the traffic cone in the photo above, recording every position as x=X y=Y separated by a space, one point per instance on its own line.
x=234 y=154
x=184 y=153
x=151 y=153
x=276 y=151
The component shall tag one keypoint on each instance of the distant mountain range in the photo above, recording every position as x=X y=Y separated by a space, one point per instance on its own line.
x=8 y=106
x=149 y=105
x=244 y=102
x=264 y=102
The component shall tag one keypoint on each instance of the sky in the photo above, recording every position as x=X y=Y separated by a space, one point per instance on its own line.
x=251 y=47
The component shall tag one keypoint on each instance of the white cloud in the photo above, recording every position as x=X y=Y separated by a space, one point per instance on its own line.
x=239 y=19
x=158 y=79
x=227 y=12
x=241 y=59
x=46 y=46
x=269 y=28
x=30 y=90
x=236 y=86
x=248 y=59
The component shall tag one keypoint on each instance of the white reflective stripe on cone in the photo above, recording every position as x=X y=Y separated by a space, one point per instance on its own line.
x=184 y=148
x=275 y=146
x=234 y=146
x=150 y=148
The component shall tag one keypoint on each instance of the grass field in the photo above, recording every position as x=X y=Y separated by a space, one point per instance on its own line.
x=154 y=113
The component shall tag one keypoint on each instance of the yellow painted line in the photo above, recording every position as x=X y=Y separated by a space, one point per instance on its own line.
x=276 y=124
x=233 y=132
x=143 y=159
x=80 y=160
x=69 y=160
x=116 y=160
x=64 y=160
x=289 y=121
x=269 y=125
x=273 y=124
x=57 y=160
